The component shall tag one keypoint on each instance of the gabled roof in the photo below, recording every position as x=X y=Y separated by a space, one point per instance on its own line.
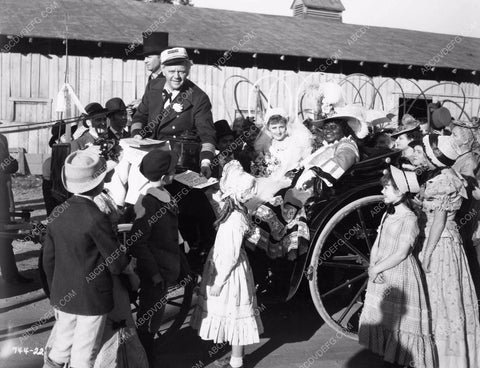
x=123 y=21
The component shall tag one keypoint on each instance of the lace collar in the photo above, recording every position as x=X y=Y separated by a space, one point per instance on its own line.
x=161 y=194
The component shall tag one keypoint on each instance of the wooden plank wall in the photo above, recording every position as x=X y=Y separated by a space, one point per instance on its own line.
x=99 y=79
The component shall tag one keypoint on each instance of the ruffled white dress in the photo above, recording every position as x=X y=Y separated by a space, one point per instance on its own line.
x=233 y=316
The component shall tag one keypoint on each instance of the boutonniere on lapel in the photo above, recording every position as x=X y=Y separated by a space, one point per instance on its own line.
x=177 y=107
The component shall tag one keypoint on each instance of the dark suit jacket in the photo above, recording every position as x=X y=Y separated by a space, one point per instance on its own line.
x=80 y=251
x=111 y=134
x=4 y=177
x=217 y=165
x=157 y=250
x=195 y=119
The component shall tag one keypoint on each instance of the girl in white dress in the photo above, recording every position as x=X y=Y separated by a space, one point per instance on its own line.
x=281 y=147
x=226 y=309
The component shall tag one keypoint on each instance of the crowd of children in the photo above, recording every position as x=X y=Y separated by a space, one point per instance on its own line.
x=420 y=309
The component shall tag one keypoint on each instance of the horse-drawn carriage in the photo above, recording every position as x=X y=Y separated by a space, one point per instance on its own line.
x=343 y=224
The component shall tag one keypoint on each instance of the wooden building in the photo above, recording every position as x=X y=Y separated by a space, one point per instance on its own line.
x=387 y=68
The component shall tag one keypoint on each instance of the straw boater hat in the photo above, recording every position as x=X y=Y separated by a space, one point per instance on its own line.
x=408 y=126
x=406 y=181
x=84 y=170
x=174 y=56
x=440 y=150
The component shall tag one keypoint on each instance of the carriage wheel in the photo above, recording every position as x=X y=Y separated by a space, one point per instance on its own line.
x=338 y=268
x=179 y=300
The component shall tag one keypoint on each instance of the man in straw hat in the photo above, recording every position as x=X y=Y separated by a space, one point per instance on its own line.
x=174 y=109
x=177 y=110
x=80 y=253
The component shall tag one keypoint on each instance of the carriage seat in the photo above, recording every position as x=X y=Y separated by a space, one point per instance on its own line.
x=371 y=168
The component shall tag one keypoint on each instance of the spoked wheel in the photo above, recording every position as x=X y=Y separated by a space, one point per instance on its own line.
x=338 y=270
x=178 y=302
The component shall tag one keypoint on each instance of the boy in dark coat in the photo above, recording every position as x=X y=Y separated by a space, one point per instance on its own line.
x=80 y=253
x=157 y=249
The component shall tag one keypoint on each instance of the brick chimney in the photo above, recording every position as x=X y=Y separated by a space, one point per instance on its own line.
x=326 y=9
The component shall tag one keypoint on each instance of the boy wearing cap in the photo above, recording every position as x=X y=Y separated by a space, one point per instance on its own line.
x=157 y=249
x=80 y=253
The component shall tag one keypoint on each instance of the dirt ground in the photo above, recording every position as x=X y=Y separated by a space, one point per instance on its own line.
x=27 y=192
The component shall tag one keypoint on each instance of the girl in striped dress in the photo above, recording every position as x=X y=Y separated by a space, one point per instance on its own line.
x=395 y=321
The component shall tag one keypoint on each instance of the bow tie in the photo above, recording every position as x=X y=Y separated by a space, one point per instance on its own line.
x=167 y=96
x=391 y=206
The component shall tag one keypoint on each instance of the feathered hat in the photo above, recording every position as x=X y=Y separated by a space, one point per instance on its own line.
x=353 y=115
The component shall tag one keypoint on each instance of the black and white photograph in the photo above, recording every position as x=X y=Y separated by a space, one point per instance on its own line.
x=239 y=184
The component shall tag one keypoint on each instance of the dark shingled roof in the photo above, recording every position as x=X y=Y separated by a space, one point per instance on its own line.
x=122 y=21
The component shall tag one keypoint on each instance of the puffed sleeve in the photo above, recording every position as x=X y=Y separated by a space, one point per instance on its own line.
x=228 y=246
x=443 y=192
x=345 y=155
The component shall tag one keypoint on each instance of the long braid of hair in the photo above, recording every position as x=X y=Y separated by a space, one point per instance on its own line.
x=408 y=200
x=227 y=210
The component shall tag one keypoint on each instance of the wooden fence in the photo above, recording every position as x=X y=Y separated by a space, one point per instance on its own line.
x=30 y=83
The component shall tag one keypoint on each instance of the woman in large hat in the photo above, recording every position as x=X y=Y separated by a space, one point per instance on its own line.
x=339 y=151
x=406 y=133
x=276 y=230
x=450 y=288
